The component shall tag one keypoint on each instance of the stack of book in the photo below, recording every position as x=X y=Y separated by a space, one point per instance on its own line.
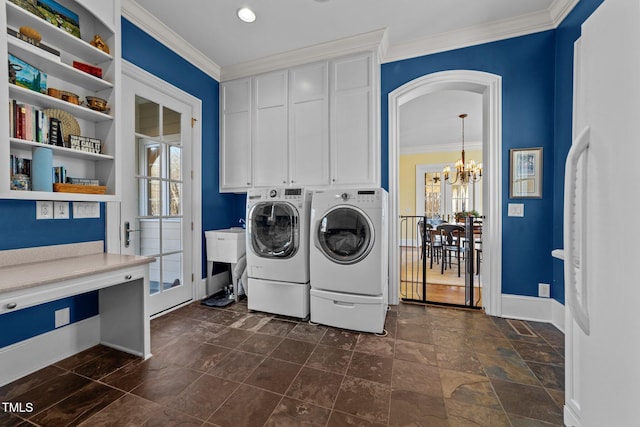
x=32 y=124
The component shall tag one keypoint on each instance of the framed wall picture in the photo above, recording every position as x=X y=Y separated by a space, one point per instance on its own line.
x=525 y=179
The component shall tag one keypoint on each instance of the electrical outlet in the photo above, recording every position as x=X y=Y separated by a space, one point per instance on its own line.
x=544 y=290
x=61 y=210
x=62 y=317
x=44 y=210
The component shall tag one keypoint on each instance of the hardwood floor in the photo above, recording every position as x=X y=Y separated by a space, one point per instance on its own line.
x=445 y=288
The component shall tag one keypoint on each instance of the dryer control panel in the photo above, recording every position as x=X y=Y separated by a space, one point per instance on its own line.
x=360 y=196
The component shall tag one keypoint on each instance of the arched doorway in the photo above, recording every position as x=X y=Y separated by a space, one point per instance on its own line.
x=490 y=87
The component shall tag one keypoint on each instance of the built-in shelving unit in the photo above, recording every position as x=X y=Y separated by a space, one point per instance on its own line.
x=102 y=18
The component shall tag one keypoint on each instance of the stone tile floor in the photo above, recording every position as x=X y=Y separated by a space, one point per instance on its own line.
x=230 y=367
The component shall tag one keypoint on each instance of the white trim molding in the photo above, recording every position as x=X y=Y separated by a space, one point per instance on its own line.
x=30 y=355
x=165 y=35
x=375 y=41
x=490 y=87
x=113 y=209
x=536 y=309
x=439 y=148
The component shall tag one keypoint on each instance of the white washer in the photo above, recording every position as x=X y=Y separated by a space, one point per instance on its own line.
x=348 y=258
x=278 y=250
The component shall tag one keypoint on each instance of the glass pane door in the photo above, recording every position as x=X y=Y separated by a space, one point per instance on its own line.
x=159 y=181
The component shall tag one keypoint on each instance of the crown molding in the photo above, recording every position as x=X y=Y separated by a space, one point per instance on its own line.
x=559 y=10
x=159 y=31
x=371 y=41
x=439 y=148
x=499 y=30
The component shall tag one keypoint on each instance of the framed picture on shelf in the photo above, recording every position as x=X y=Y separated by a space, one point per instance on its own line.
x=525 y=178
x=54 y=13
x=60 y=16
x=26 y=75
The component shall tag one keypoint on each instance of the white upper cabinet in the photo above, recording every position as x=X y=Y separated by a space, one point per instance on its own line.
x=270 y=148
x=61 y=92
x=308 y=126
x=313 y=125
x=235 y=135
x=353 y=114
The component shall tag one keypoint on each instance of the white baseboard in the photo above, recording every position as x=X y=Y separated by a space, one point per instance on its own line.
x=30 y=355
x=533 y=308
x=570 y=418
x=557 y=314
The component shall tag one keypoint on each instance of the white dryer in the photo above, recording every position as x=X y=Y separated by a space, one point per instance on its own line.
x=278 y=250
x=349 y=254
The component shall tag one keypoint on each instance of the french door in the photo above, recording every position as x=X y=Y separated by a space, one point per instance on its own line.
x=156 y=207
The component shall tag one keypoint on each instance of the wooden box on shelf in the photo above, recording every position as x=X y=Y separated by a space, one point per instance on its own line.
x=79 y=188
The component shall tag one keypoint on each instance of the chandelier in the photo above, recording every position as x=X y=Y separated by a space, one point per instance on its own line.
x=465 y=172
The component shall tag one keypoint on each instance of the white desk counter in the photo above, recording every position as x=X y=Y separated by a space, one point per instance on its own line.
x=123 y=285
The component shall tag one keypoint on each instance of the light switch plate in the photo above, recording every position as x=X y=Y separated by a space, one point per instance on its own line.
x=61 y=210
x=86 y=210
x=44 y=210
x=516 y=209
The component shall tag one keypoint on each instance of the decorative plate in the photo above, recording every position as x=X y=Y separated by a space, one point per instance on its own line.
x=69 y=123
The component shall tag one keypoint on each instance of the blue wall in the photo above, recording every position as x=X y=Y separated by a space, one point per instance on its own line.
x=19 y=228
x=566 y=34
x=537 y=78
x=218 y=210
x=526 y=65
x=537 y=82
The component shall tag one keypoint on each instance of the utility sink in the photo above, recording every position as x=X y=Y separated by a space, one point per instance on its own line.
x=226 y=245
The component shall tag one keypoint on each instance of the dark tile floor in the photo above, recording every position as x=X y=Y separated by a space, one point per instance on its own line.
x=229 y=367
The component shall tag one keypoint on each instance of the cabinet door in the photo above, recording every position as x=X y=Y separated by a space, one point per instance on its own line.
x=270 y=138
x=308 y=127
x=235 y=135
x=353 y=136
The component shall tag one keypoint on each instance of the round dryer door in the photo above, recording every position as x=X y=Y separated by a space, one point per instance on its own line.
x=274 y=229
x=345 y=235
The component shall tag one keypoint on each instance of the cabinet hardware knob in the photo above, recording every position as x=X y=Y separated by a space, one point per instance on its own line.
x=127 y=277
x=248 y=183
x=292 y=181
x=12 y=305
x=284 y=182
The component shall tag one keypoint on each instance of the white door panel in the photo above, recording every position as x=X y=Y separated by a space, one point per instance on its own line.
x=157 y=194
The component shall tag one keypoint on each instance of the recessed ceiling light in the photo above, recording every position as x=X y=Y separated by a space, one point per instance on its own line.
x=246 y=15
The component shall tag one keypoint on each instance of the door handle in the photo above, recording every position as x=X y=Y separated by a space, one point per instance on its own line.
x=575 y=250
x=127 y=233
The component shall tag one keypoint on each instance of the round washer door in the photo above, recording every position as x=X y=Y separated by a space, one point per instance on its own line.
x=274 y=229
x=345 y=235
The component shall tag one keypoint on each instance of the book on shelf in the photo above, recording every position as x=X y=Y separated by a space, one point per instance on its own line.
x=55 y=132
x=28 y=122
x=87 y=68
x=17 y=34
x=59 y=174
x=19 y=165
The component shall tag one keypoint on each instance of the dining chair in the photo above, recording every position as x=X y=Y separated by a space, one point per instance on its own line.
x=431 y=238
x=451 y=237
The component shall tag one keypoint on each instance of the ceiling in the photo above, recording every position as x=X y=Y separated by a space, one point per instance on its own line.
x=209 y=35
